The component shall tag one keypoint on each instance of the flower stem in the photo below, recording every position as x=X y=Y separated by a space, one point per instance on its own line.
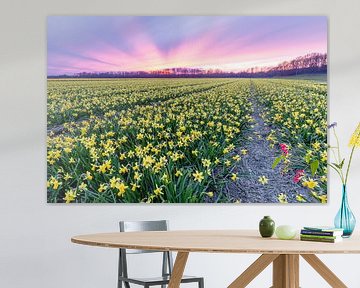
x=338 y=146
x=348 y=166
x=337 y=171
x=339 y=160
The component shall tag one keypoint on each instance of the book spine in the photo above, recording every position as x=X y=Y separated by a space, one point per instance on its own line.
x=320 y=233
x=319 y=236
x=317 y=239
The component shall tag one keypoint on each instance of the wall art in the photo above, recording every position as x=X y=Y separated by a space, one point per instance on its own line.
x=187 y=109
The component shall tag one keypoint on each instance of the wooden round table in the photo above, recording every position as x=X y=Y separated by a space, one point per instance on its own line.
x=284 y=254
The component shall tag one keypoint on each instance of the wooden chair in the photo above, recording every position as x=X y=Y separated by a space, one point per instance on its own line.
x=167 y=265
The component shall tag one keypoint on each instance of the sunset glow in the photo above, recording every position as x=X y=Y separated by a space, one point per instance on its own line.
x=145 y=43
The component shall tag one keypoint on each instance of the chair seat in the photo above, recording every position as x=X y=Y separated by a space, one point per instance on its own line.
x=158 y=280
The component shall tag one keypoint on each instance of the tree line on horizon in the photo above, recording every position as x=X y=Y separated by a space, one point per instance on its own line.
x=308 y=64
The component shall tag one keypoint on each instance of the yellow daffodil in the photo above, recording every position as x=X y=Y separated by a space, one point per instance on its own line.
x=108 y=164
x=137 y=176
x=282 y=198
x=210 y=194
x=323 y=178
x=310 y=183
x=195 y=152
x=206 y=162
x=123 y=170
x=70 y=196
x=236 y=158
x=102 y=168
x=102 y=188
x=323 y=156
x=263 y=180
x=178 y=173
x=122 y=189
x=148 y=161
x=300 y=198
x=55 y=183
x=234 y=177
x=67 y=150
x=165 y=178
x=114 y=181
x=198 y=176
x=323 y=198
x=83 y=186
x=316 y=145
x=88 y=175
x=225 y=151
x=158 y=191
x=140 y=136
x=67 y=176
x=134 y=186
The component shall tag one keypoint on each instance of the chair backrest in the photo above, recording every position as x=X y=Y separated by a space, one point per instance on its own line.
x=137 y=226
x=134 y=226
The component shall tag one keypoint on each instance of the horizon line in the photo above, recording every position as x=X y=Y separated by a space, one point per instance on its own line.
x=204 y=68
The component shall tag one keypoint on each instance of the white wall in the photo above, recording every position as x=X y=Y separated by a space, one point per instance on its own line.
x=35 y=248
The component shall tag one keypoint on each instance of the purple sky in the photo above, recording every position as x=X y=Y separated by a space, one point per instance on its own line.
x=131 y=43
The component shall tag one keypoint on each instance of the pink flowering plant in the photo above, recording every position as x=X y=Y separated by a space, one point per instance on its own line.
x=298 y=175
x=309 y=162
x=284 y=157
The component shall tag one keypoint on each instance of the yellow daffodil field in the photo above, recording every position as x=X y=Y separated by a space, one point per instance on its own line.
x=186 y=140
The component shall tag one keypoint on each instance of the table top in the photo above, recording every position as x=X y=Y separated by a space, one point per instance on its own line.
x=216 y=241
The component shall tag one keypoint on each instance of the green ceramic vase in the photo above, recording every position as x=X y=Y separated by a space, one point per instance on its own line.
x=267 y=227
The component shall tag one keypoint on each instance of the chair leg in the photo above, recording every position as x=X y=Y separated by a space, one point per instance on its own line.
x=120 y=273
x=126 y=284
x=165 y=266
x=201 y=283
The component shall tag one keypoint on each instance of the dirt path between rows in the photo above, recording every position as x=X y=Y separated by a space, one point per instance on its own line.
x=257 y=163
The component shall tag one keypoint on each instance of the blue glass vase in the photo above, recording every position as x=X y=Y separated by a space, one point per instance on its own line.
x=345 y=219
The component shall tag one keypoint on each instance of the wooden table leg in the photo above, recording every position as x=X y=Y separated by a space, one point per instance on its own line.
x=286 y=271
x=253 y=270
x=178 y=270
x=293 y=264
x=324 y=271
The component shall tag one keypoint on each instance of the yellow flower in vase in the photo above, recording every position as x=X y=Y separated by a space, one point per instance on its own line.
x=355 y=138
x=344 y=218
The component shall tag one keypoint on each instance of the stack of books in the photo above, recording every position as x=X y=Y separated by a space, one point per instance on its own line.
x=321 y=234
